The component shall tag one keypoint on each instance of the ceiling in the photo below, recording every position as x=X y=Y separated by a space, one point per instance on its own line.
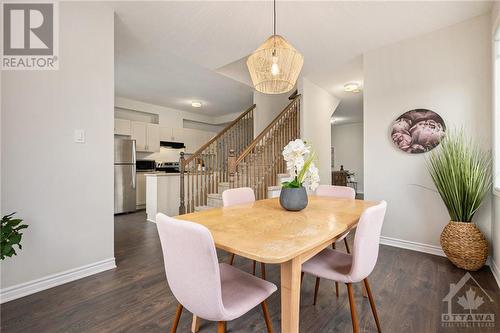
x=170 y=53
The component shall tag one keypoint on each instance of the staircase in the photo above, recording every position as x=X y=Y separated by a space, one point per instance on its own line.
x=261 y=165
x=203 y=172
x=235 y=159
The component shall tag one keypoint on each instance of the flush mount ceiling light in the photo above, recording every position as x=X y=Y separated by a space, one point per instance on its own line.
x=275 y=66
x=196 y=104
x=353 y=87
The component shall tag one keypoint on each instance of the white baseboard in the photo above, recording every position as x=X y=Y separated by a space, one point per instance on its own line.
x=34 y=286
x=409 y=245
x=495 y=270
x=432 y=249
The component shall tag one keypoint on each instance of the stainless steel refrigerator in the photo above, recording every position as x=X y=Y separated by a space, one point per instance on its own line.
x=125 y=182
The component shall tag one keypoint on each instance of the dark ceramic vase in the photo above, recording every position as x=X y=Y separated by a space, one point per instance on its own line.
x=293 y=199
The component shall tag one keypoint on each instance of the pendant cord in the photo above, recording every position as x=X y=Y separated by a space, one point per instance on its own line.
x=274 y=21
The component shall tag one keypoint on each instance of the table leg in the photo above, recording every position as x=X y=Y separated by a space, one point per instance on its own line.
x=290 y=295
x=195 y=326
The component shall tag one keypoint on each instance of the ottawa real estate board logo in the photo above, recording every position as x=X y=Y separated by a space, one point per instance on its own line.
x=467 y=305
x=30 y=36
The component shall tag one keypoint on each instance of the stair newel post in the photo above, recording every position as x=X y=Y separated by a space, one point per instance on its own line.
x=182 y=207
x=231 y=164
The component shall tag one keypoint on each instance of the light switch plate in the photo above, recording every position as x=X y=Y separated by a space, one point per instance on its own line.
x=79 y=136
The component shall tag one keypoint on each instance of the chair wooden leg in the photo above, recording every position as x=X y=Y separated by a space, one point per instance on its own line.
x=347 y=245
x=195 y=325
x=363 y=290
x=337 y=289
x=316 y=287
x=221 y=327
x=231 y=260
x=267 y=318
x=178 y=313
x=354 y=317
x=333 y=245
x=263 y=270
x=372 y=304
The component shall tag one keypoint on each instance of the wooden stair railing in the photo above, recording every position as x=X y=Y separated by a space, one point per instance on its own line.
x=201 y=173
x=260 y=163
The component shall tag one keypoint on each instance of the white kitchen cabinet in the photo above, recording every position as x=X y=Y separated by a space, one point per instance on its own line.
x=122 y=126
x=146 y=135
x=162 y=194
x=152 y=137
x=140 y=190
x=195 y=139
x=192 y=138
x=138 y=133
x=179 y=134
x=167 y=134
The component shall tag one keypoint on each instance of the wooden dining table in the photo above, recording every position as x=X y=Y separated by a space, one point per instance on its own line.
x=265 y=232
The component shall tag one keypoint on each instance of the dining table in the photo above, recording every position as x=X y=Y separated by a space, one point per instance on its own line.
x=265 y=232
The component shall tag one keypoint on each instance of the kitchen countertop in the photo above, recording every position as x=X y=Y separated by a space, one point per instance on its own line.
x=160 y=174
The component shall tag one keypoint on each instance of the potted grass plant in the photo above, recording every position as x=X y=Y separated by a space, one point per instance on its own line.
x=10 y=235
x=461 y=171
x=299 y=159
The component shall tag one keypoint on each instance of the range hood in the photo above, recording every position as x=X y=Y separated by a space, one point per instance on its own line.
x=172 y=144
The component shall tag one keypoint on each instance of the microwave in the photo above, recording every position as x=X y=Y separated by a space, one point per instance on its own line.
x=145 y=165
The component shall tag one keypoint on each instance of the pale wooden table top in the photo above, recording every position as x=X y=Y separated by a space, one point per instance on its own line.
x=265 y=232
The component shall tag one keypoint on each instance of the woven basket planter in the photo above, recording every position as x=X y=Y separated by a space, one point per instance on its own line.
x=465 y=245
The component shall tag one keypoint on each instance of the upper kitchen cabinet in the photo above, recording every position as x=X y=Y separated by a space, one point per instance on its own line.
x=122 y=126
x=146 y=135
x=167 y=134
x=138 y=133
x=195 y=139
x=152 y=137
x=192 y=138
x=172 y=134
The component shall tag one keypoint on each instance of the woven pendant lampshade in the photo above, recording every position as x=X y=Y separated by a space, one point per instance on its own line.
x=275 y=66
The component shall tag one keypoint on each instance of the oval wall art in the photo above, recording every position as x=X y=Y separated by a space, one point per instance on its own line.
x=418 y=131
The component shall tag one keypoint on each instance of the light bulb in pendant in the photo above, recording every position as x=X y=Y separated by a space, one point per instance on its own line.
x=275 y=70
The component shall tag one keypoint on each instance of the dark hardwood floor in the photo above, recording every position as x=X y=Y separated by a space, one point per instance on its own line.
x=408 y=288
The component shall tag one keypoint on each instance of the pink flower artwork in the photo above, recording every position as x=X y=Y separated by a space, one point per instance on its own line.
x=418 y=131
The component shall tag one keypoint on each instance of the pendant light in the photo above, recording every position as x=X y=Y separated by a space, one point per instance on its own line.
x=275 y=66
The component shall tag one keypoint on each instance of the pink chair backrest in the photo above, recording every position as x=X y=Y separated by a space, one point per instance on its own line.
x=336 y=191
x=191 y=266
x=366 y=241
x=237 y=196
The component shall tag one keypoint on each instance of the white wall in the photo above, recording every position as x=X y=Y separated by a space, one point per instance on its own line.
x=448 y=71
x=267 y=108
x=196 y=125
x=495 y=226
x=316 y=110
x=347 y=140
x=63 y=190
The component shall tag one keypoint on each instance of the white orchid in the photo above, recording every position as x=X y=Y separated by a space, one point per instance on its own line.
x=312 y=177
x=300 y=165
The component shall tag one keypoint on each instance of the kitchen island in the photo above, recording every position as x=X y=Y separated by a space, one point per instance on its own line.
x=162 y=194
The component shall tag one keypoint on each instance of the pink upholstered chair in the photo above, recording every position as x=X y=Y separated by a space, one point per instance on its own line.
x=237 y=196
x=336 y=192
x=240 y=196
x=356 y=267
x=209 y=290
